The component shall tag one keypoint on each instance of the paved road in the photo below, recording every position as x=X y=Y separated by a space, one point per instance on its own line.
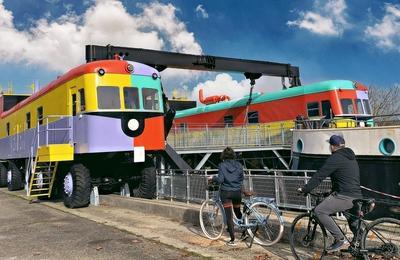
x=35 y=231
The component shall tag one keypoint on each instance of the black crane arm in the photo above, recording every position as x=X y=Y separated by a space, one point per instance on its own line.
x=161 y=60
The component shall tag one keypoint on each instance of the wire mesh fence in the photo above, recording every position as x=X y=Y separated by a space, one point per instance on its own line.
x=190 y=186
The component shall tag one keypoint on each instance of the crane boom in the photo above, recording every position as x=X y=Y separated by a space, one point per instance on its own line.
x=252 y=69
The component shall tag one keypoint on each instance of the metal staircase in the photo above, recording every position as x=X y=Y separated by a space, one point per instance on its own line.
x=42 y=178
x=42 y=165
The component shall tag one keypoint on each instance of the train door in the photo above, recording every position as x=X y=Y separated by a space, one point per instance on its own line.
x=73 y=101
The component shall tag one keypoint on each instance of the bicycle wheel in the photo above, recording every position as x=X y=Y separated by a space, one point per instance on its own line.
x=268 y=221
x=308 y=238
x=381 y=239
x=212 y=219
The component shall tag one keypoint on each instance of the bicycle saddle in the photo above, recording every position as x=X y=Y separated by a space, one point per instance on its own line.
x=248 y=193
x=363 y=206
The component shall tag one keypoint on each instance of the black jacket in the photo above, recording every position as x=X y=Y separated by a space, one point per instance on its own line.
x=343 y=169
x=230 y=175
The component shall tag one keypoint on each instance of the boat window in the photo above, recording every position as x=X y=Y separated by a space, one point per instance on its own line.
x=252 y=117
x=40 y=115
x=28 y=120
x=360 y=109
x=313 y=109
x=228 y=121
x=151 y=99
x=367 y=107
x=108 y=97
x=326 y=108
x=347 y=106
x=131 y=98
x=82 y=99
x=8 y=128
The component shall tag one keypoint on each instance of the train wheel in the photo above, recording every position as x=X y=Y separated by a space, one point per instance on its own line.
x=147 y=186
x=3 y=175
x=14 y=177
x=76 y=187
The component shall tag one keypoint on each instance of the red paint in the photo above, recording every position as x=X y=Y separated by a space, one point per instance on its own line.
x=152 y=137
x=109 y=66
x=212 y=99
x=271 y=111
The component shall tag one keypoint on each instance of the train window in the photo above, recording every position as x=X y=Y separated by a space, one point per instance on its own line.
x=228 y=121
x=252 y=117
x=347 y=106
x=367 y=107
x=82 y=99
x=131 y=98
x=74 y=104
x=8 y=128
x=108 y=97
x=40 y=115
x=150 y=99
x=313 y=109
x=360 y=109
x=326 y=108
x=28 y=120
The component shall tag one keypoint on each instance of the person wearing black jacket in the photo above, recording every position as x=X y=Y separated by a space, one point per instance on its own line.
x=230 y=176
x=344 y=172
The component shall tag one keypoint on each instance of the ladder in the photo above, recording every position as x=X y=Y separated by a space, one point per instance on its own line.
x=42 y=178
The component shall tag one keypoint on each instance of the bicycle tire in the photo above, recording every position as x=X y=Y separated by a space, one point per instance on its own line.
x=308 y=237
x=382 y=238
x=269 y=220
x=212 y=220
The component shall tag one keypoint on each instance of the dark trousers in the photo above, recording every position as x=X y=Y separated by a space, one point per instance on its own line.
x=231 y=199
x=332 y=204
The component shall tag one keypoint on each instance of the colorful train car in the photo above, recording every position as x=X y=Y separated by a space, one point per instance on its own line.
x=335 y=99
x=100 y=123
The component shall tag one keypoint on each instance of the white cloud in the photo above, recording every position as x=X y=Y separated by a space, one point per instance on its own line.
x=224 y=84
x=58 y=45
x=200 y=11
x=328 y=19
x=386 y=33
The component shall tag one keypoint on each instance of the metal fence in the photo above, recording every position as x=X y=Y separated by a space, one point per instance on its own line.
x=205 y=135
x=191 y=186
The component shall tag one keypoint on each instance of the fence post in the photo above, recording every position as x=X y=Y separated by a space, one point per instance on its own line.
x=277 y=198
x=282 y=134
x=172 y=187
x=269 y=135
x=157 y=184
x=308 y=198
x=187 y=187
x=250 y=182
x=206 y=179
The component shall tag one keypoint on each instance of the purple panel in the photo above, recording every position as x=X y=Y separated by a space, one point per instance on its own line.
x=97 y=134
x=142 y=69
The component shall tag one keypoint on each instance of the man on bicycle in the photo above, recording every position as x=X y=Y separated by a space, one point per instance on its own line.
x=343 y=169
x=230 y=176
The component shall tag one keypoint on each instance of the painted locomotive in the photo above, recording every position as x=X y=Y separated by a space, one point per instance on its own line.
x=95 y=122
x=335 y=99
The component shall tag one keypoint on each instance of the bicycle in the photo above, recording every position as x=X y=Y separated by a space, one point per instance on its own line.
x=261 y=219
x=376 y=239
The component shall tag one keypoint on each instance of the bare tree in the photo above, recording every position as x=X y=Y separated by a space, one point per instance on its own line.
x=384 y=101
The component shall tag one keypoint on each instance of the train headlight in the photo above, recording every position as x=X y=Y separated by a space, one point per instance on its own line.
x=133 y=124
x=129 y=68
x=154 y=76
x=101 y=72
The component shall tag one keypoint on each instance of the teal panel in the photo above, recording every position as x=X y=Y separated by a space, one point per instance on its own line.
x=264 y=97
x=140 y=82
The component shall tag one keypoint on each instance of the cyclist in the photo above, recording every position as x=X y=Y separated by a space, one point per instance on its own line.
x=230 y=176
x=343 y=169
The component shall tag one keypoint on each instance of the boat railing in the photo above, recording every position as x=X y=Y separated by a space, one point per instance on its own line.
x=217 y=135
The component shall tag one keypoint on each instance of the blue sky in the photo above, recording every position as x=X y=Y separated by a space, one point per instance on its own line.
x=357 y=40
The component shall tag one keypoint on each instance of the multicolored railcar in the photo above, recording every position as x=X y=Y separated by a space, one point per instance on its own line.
x=110 y=112
x=329 y=99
